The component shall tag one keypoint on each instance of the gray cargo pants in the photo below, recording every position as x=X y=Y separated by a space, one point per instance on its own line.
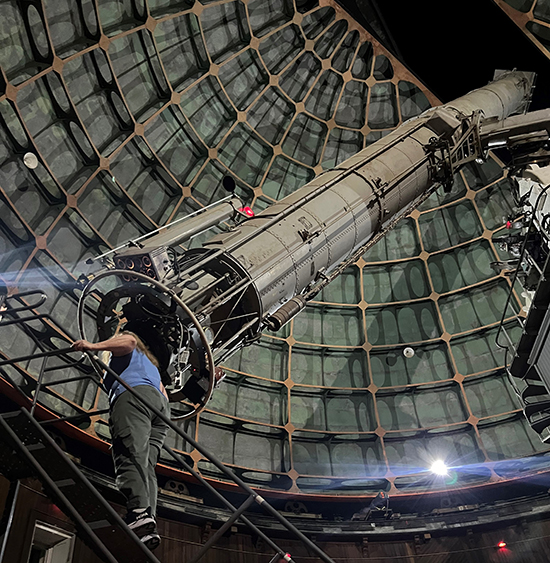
x=138 y=435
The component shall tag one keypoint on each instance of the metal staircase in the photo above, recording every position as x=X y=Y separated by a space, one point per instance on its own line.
x=528 y=359
x=27 y=450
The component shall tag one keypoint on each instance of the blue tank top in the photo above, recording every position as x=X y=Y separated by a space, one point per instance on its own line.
x=136 y=370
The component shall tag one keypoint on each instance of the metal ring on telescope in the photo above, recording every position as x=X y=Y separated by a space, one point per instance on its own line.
x=168 y=291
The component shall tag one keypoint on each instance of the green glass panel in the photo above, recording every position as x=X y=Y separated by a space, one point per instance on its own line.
x=316 y=22
x=341 y=145
x=411 y=99
x=268 y=358
x=421 y=407
x=490 y=395
x=305 y=139
x=478 y=352
x=244 y=78
x=509 y=439
x=102 y=112
x=267 y=15
x=344 y=289
x=136 y=66
x=442 y=197
x=270 y=116
x=395 y=282
x=462 y=266
x=541 y=32
x=149 y=186
x=71 y=30
x=209 y=111
x=449 y=226
x=322 y=100
x=327 y=43
x=111 y=211
x=297 y=80
x=285 y=177
x=329 y=325
x=176 y=145
x=329 y=367
x=281 y=48
x=541 y=11
x=352 y=106
x=383 y=112
x=383 y=69
x=181 y=50
x=225 y=29
x=475 y=307
x=495 y=204
x=120 y=15
x=246 y=155
x=394 y=324
x=391 y=368
x=480 y=175
x=343 y=57
x=16 y=56
x=63 y=152
x=362 y=65
x=400 y=242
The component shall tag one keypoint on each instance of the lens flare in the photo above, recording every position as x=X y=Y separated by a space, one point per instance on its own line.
x=439 y=468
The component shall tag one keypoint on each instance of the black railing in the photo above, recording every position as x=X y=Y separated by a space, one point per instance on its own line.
x=524 y=256
x=237 y=513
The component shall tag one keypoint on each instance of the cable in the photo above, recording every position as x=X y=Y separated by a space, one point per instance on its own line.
x=175 y=263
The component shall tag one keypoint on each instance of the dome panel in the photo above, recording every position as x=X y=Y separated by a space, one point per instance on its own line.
x=136 y=119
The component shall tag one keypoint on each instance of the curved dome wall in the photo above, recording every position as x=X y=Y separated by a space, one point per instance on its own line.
x=533 y=18
x=353 y=413
x=136 y=110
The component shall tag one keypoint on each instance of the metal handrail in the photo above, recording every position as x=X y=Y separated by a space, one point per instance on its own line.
x=253 y=496
x=26 y=293
x=214 y=460
x=515 y=276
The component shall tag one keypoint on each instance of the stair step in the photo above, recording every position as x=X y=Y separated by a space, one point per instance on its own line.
x=541 y=424
x=533 y=408
x=40 y=456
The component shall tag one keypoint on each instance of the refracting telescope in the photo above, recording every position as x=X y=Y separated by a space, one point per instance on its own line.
x=197 y=307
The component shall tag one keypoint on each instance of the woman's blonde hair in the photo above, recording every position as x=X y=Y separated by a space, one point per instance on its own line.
x=142 y=347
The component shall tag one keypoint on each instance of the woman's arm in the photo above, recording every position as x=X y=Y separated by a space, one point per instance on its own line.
x=118 y=345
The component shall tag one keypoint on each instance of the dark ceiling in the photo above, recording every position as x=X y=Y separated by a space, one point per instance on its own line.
x=453 y=47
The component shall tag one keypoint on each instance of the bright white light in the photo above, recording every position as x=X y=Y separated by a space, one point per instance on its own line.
x=439 y=468
x=30 y=160
x=408 y=352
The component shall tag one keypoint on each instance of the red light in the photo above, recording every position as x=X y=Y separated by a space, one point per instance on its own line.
x=247 y=211
x=501 y=544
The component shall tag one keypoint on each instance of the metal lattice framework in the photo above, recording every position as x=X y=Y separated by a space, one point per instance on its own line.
x=532 y=17
x=136 y=110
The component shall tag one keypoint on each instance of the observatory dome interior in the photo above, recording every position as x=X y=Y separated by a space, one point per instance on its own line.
x=137 y=111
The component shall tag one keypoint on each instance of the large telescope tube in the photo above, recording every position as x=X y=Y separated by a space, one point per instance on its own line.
x=308 y=234
x=262 y=272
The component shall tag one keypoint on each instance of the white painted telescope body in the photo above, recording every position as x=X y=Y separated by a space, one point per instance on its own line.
x=301 y=239
x=263 y=271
